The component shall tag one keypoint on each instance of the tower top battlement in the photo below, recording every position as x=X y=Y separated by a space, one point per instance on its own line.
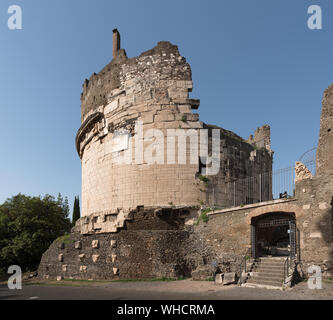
x=161 y=63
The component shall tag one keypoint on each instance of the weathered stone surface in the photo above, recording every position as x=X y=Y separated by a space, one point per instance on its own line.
x=323 y=206
x=60 y=257
x=152 y=88
x=139 y=254
x=229 y=278
x=202 y=273
x=219 y=278
x=315 y=235
x=302 y=172
x=325 y=143
x=77 y=245
x=124 y=204
x=95 y=244
x=83 y=269
x=81 y=256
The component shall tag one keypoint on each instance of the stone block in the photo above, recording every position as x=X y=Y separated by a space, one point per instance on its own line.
x=64 y=268
x=114 y=258
x=95 y=244
x=202 y=273
x=185 y=108
x=113 y=243
x=148 y=117
x=115 y=271
x=77 y=245
x=111 y=106
x=164 y=116
x=323 y=206
x=95 y=257
x=317 y=235
x=83 y=269
x=60 y=257
x=59 y=278
x=229 y=278
x=81 y=256
x=219 y=278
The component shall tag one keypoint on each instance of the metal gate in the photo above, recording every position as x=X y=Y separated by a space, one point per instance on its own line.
x=292 y=239
x=253 y=242
x=272 y=223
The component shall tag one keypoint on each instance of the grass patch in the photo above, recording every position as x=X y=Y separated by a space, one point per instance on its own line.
x=203 y=178
x=195 y=207
x=81 y=282
x=65 y=239
x=204 y=216
x=327 y=280
x=150 y=280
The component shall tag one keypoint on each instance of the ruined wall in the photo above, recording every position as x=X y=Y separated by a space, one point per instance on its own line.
x=261 y=137
x=238 y=180
x=154 y=245
x=227 y=234
x=325 y=144
x=315 y=197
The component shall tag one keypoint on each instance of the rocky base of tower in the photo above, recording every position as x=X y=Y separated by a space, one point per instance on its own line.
x=160 y=248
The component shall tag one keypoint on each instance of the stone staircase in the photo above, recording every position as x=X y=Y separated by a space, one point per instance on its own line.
x=267 y=272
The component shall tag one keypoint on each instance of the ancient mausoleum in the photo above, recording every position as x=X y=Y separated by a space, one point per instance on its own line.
x=166 y=195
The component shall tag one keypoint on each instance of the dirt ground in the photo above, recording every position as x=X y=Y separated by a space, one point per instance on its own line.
x=157 y=290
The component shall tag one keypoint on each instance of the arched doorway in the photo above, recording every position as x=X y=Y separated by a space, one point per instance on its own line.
x=274 y=234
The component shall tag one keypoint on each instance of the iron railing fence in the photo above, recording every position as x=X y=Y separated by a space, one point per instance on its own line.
x=263 y=187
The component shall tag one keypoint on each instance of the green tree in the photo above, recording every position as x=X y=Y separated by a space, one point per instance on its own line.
x=28 y=226
x=76 y=210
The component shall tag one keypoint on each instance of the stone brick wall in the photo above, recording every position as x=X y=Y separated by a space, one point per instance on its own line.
x=325 y=144
x=240 y=160
x=153 y=245
x=227 y=234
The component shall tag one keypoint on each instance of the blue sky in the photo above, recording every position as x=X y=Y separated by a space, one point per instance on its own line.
x=254 y=62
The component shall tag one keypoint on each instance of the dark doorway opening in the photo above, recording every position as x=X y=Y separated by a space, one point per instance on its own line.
x=274 y=234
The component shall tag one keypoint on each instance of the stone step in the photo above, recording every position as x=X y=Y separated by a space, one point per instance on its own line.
x=273 y=267
x=270 y=263
x=256 y=285
x=263 y=277
x=279 y=263
x=265 y=282
x=273 y=258
x=272 y=270
x=268 y=274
